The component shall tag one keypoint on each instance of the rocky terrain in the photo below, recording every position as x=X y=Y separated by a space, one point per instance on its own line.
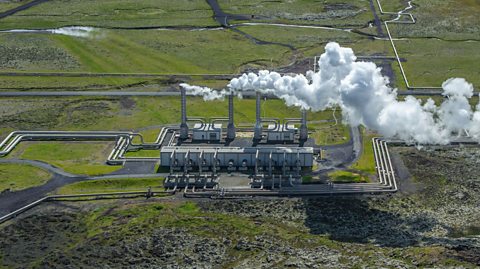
x=434 y=221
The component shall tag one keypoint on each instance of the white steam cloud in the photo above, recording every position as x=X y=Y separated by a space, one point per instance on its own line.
x=76 y=31
x=207 y=93
x=365 y=98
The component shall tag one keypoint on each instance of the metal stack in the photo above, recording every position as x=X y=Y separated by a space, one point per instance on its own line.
x=257 y=135
x=183 y=124
x=303 y=127
x=231 y=125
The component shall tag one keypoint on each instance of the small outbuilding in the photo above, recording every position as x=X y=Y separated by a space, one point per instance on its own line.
x=281 y=133
x=207 y=132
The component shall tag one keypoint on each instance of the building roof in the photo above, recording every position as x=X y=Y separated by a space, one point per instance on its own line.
x=207 y=127
x=206 y=149
x=281 y=128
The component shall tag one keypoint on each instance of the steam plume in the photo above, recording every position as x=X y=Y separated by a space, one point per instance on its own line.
x=76 y=31
x=365 y=98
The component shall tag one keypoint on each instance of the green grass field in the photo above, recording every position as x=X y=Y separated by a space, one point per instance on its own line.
x=347 y=177
x=443 y=43
x=112 y=185
x=143 y=153
x=112 y=13
x=366 y=162
x=331 y=132
x=138 y=51
x=70 y=82
x=432 y=61
x=448 y=19
x=329 y=12
x=391 y=5
x=301 y=37
x=15 y=177
x=47 y=83
x=84 y=158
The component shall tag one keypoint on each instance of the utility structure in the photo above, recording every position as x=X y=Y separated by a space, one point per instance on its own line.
x=279 y=132
x=276 y=156
x=303 y=136
x=231 y=125
x=257 y=133
x=183 y=124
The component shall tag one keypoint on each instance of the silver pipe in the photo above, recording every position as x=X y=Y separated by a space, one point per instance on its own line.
x=213 y=121
x=303 y=127
x=287 y=121
x=275 y=121
x=201 y=120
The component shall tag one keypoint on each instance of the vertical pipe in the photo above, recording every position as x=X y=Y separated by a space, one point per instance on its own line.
x=256 y=162
x=258 y=107
x=231 y=125
x=298 y=163
x=186 y=160
x=257 y=135
x=270 y=171
x=183 y=124
x=303 y=127
x=172 y=160
x=200 y=162
x=184 y=105
x=214 y=163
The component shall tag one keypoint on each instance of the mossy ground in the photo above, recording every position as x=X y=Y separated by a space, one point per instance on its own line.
x=111 y=13
x=409 y=229
x=112 y=185
x=347 y=177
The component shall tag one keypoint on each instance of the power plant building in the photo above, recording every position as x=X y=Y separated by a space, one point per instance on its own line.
x=225 y=157
x=274 y=154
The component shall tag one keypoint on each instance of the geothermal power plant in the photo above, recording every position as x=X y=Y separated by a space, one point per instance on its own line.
x=274 y=156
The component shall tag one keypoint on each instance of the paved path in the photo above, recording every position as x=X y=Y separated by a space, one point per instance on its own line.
x=377 y=21
x=221 y=17
x=20 y=8
x=11 y=201
x=343 y=155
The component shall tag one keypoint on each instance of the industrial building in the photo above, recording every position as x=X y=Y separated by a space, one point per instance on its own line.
x=236 y=158
x=273 y=155
x=207 y=132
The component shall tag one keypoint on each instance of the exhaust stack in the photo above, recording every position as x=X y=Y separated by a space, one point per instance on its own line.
x=231 y=125
x=257 y=135
x=303 y=127
x=183 y=124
